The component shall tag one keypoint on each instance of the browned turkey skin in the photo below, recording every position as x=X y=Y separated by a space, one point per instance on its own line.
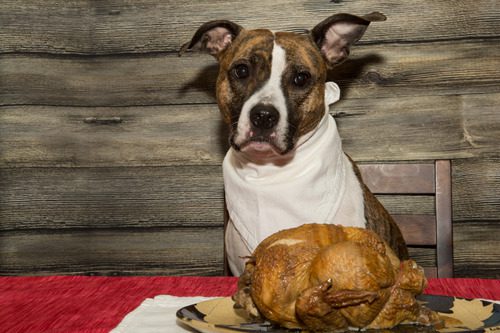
x=325 y=277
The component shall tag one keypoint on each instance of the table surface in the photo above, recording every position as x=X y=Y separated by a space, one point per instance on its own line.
x=97 y=304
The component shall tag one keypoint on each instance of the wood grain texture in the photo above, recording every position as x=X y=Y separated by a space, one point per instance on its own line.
x=417 y=230
x=173 y=251
x=106 y=81
x=149 y=136
x=388 y=129
x=417 y=128
x=63 y=198
x=425 y=257
x=118 y=26
x=181 y=251
x=476 y=245
x=444 y=230
x=408 y=204
x=476 y=190
x=373 y=71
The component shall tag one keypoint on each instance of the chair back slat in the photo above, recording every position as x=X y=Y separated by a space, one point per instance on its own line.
x=419 y=230
x=399 y=178
x=443 y=215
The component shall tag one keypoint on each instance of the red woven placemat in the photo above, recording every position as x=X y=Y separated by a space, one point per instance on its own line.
x=90 y=304
x=97 y=304
x=465 y=288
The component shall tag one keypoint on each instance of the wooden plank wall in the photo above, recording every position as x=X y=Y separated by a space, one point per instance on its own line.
x=111 y=145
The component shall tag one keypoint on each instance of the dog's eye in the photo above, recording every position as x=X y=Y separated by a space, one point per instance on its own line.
x=300 y=79
x=241 y=71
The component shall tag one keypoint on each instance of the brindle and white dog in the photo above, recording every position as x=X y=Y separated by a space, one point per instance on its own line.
x=286 y=166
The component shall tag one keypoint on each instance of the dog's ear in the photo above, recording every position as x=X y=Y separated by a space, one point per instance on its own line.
x=335 y=35
x=212 y=37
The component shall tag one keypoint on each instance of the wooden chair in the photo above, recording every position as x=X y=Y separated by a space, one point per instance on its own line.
x=420 y=230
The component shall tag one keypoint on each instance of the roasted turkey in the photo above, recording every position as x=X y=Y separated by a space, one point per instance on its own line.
x=326 y=277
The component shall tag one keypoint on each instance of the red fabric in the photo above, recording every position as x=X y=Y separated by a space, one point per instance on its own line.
x=466 y=288
x=90 y=304
x=97 y=304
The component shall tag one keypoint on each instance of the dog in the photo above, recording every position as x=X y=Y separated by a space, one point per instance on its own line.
x=285 y=165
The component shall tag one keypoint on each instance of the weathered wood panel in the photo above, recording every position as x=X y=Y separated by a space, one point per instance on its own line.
x=106 y=81
x=374 y=71
x=62 y=198
x=102 y=27
x=173 y=251
x=476 y=191
x=417 y=128
x=409 y=128
x=425 y=257
x=68 y=136
x=408 y=70
x=476 y=211
x=135 y=202
x=476 y=247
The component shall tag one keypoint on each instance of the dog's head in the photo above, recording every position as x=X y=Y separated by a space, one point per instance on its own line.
x=271 y=85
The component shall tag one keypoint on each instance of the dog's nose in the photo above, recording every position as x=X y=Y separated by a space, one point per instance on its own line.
x=264 y=116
